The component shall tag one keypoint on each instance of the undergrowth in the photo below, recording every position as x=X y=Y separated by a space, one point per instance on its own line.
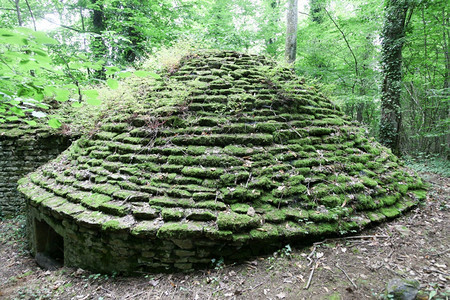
x=13 y=232
x=429 y=163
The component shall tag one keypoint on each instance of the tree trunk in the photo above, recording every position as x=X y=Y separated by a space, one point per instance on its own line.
x=291 y=33
x=393 y=39
x=98 y=45
x=19 y=15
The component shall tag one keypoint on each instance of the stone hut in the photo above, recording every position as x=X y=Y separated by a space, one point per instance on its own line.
x=228 y=156
x=23 y=149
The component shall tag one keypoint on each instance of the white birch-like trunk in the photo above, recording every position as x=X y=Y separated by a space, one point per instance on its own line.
x=291 y=33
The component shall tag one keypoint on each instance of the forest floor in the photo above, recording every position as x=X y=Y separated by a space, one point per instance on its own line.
x=415 y=246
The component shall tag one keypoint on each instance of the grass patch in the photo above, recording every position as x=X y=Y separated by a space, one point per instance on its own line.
x=429 y=163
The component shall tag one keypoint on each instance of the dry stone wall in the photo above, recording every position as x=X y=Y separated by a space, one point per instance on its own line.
x=23 y=150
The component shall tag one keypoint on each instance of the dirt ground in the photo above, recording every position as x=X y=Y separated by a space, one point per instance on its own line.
x=415 y=246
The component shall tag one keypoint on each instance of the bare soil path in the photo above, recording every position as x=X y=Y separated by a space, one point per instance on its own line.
x=415 y=246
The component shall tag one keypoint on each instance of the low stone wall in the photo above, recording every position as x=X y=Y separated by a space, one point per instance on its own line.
x=23 y=150
x=106 y=251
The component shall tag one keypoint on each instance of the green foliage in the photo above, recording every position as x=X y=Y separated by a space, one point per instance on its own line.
x=339 y=46
x=24 y=65
x=429 y=163
x=426 y=84
x=353 y=81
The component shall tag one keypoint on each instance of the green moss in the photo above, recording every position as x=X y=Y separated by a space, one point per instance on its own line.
x=145 y=229
x=180 y=231
x=309 y=162
x=240 y=208
x=319 y=131
x=275 y=216
x=265 y=232
x=213 y=205
x=94 y=200
x=390 y=212
x=369 y=182
x=321 y=229
x=163 y=201
x=236 y=222
x=238 y=150
x=113 y=208
x=388 y=200
x=202 y=172
x=420 y=194
x=268 y=127
x=107 y=189
x=296 y=179
x=171 y=214
x=113 y=225
x=323 y=216
x=376 y=216
x=331 y=201
x=239 y=194
x=263 y=183
x=365 y=202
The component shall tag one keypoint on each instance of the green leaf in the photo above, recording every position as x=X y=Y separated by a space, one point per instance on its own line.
x=77 y=104
x=93 y=101
x=111 y=70
x=154 y=75
x=432 y=294
x=141 y=73
x=90 y=93
x=54 y=123
x=31 y=122
x=112 y=83
x=48 y=91
x=124 y=74
x=75 y=65
x=61 y=95
x=70 y=86
x=42 y=38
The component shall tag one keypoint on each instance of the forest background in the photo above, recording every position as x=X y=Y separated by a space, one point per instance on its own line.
x=92 y=43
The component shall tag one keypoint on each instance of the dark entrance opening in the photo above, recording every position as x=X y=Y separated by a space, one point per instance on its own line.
x=49 y=246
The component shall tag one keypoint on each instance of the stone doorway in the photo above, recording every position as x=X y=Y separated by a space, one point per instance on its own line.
x=49 y=246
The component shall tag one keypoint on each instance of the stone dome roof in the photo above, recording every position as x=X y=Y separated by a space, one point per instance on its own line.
x=228 y=155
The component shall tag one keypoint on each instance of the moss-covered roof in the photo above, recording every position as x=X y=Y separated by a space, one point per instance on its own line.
x=228 y=147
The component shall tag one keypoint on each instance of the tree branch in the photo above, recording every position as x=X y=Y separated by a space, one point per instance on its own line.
x=346 y=41
x=31 y=14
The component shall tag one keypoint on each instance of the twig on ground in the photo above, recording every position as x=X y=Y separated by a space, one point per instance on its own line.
x=365 y=237
x=356 y=237
x=310 y=277
x=252 y=288
x=135 y=295
x=440 y=253
x=106 y=290
x=311 y=255
x=390 y=253
x=394 y=272
x=346 y=275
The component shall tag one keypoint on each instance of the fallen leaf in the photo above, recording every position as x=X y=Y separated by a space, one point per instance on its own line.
x=154 y=282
